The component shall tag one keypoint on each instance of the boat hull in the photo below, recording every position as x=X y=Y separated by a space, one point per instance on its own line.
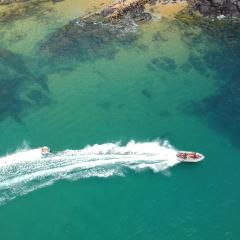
x=188 y=156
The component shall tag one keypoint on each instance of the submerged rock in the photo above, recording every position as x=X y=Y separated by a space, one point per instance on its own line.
x=20 y=89
x=5 y=2
x=21 y=9
x=90 y=38
x=218 y=53
x=162 y=63
x=146 y=93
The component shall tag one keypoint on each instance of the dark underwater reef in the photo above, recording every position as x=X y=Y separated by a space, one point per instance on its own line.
x=23 y=9
x=90 y=39
x=163 y=63
x=20 y=89
x=217 y=51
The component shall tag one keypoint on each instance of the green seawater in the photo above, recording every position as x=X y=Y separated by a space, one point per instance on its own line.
x=177 y=80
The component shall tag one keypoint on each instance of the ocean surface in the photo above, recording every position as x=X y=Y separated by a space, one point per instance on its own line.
x=115 y=104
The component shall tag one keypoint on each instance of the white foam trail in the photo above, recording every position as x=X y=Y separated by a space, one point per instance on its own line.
x=26 y=170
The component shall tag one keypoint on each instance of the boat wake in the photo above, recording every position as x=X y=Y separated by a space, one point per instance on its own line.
x=27 y=170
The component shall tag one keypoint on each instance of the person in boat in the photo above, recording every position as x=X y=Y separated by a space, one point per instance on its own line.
x=45 y=150
x=193 y=155
x=182 y=155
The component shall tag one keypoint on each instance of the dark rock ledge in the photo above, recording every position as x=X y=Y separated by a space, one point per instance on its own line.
x=217 y=8
x=136 y=8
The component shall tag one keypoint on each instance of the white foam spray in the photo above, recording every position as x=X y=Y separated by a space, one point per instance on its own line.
x=27 y=170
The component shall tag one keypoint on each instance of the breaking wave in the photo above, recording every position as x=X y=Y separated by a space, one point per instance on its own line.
x=26 y=169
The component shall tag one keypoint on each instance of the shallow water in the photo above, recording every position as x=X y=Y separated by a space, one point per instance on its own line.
x=175 y=80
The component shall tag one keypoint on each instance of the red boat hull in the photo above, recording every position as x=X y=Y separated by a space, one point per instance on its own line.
x=185 y=156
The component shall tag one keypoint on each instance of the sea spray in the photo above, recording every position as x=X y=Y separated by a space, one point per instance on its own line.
x=27 y=170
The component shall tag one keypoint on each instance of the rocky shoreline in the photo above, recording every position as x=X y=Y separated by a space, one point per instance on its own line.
x=91 y=35
x=210 y=8
x=100 y=33
x=217 y=8
x=137 y=10
x=119 y=9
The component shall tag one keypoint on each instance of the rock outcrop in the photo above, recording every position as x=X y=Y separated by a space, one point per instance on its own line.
x=217 y=8
x=132 y=8
x=136 y=8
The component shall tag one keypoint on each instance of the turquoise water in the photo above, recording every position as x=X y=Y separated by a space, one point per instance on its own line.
x=170 y=80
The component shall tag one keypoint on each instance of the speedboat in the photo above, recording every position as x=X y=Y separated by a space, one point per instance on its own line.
x=192 y=157
x=45 y=151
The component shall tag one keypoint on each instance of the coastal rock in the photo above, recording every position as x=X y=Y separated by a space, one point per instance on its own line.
x=133 y=9
x=143 y=17
x=107 y=11
x=215 y=8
